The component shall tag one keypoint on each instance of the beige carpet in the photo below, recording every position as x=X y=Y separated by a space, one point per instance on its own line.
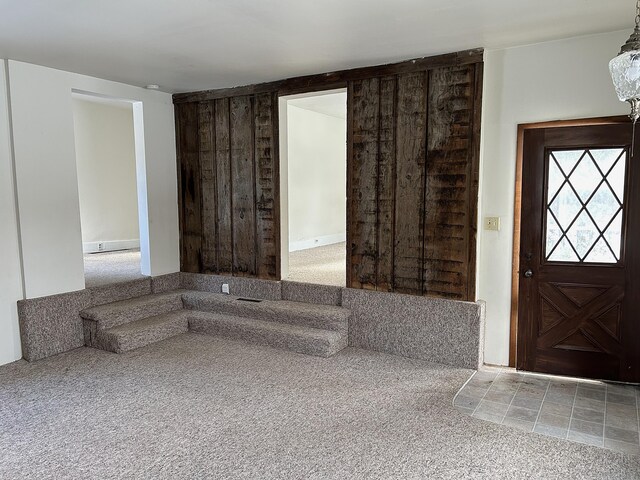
x=200 y=407
x=111 y=267
x=324 y=265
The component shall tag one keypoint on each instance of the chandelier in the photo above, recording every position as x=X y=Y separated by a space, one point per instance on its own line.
x=625 y=70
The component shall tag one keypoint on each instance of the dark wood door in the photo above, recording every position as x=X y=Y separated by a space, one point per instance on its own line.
x=579 y=295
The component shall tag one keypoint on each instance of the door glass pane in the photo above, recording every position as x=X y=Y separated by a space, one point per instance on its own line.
x=585 y=192
x=567 y=159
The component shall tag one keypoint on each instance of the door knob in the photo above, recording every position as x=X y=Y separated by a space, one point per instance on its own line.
x=528 y=273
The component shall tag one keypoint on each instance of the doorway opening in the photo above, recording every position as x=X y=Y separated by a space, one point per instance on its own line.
x=111 y=188
x=313 y=187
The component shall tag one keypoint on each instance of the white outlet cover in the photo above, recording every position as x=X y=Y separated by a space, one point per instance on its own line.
x=492 y=223
x=225 y=288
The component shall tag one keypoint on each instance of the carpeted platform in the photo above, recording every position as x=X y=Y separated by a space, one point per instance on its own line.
x=111 y=267
x=323 y=265
x=196 y=406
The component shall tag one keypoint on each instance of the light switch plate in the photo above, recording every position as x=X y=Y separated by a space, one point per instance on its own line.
x=492 y=223
x=225 y=288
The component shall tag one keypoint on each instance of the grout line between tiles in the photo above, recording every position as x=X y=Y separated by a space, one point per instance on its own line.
x=511 y=402
x=485 y=394
x=540 y=409
x=573 y=405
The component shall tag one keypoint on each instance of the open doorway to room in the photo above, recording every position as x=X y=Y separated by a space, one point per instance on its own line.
x=108 y=189
x=313 y=150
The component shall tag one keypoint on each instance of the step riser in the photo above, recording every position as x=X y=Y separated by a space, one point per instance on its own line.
x=299 y=344
x=269 y=311
x=124 y=343
x=137 y=312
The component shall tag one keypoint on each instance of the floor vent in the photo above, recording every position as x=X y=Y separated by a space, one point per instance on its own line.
x=254 y=300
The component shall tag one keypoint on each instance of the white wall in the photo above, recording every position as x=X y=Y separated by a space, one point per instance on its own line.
x=10 y=271
x=567 y=79
x=106 y=165
x=47 y=186
x=317 y=155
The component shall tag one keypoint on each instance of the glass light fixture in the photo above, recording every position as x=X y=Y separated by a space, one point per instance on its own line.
x=625 y=70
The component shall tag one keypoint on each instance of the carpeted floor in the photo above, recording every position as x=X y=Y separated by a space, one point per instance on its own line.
x=111 y=267
x=323 y=265
x=196 y=406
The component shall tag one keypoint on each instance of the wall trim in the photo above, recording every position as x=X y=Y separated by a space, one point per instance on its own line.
x=110 y=245
x=317 y=241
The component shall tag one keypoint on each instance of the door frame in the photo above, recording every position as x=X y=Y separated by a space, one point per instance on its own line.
x=517 y=214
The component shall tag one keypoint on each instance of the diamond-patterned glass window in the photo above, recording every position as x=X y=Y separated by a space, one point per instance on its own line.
x=585 y=194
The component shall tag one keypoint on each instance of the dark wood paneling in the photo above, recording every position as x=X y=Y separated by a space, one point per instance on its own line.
x=413 y=180
x=224 y=238
x=189 y=184
x=411 y=137
x=363 y=168
x=386 y=183
x=208 y=188
x=267 y=205
x=243 y=181
x=412 y=171
x=449 y=180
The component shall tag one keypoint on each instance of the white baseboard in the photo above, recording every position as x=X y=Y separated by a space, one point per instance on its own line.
x=110 y=245
x=317 y=242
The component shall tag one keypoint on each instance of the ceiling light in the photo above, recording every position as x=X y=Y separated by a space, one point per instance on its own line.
x=152 y=87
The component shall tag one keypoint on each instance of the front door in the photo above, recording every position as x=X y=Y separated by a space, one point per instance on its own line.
x=579 y=285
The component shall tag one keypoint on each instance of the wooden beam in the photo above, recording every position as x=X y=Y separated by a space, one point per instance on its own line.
x=337 y=79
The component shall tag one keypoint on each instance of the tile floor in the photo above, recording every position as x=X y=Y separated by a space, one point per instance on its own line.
x=596 y=413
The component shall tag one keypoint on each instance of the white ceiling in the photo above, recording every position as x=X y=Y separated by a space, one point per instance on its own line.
x=201 y=44
x=332 y=104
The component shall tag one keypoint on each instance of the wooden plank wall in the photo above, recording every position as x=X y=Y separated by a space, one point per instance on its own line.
x=412 y=177
x=228 y=171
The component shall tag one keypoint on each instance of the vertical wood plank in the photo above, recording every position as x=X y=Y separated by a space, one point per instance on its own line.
x=363 y=185
x=386 y=183
x=243 y=180
x=448 y=182
x=208 y=187
x=410 y=164
x=191 y=220
x=224 y=187
x=267 y=242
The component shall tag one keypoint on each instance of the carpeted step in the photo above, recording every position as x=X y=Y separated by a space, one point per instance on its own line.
x=126 y=311
x=329 y=317
x=142 y=332
x=307 y=340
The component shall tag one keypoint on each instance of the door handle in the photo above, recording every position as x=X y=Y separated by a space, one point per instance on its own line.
x=528 y=273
